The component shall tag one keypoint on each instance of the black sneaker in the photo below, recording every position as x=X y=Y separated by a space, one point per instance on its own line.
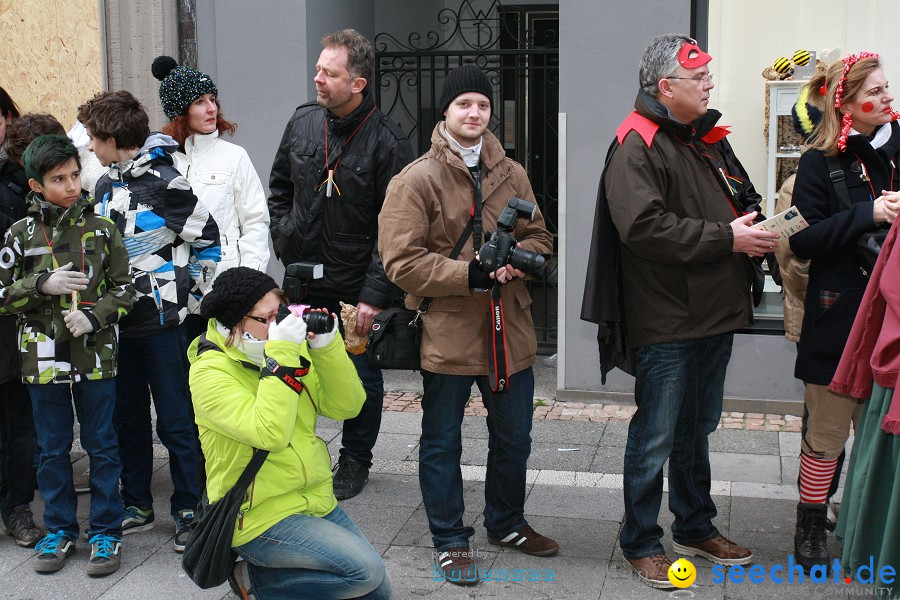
x=106 y=555
x=183 y=521
x=137 y=519
x=20 y=525
x=350 y=476
x=52 y=552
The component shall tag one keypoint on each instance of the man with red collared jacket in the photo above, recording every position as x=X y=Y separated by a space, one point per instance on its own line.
x=327 y=187
x=669 y=268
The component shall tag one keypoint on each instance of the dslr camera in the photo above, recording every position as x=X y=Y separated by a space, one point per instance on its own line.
x=317 y=322
x=296 y=279
x=500 y=247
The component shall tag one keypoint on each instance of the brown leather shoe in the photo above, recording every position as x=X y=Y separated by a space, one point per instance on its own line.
x=719 y=550
x=528 y=541
x=652 y=570
x=457 y=566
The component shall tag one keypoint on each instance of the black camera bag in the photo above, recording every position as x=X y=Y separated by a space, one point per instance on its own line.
x=394 y=339
x=396 y=335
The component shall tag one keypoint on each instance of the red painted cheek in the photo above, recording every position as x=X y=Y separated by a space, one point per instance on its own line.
x=867 y=107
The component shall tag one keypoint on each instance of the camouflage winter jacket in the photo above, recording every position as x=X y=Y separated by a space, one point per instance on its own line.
x=50 y=236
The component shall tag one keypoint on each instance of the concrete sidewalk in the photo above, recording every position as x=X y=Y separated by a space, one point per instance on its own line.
x=574 y=495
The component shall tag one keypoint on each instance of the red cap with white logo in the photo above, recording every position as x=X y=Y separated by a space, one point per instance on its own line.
x=691 y=56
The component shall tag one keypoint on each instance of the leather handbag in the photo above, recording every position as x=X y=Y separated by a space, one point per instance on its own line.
x=208 y=557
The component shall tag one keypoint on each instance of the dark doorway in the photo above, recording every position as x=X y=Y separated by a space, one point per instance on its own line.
x=518 y=47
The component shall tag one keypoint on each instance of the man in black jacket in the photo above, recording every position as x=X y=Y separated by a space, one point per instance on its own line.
x=327 y=187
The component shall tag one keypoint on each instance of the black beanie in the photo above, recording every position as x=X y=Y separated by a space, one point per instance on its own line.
x=180 y=85
x=234 y=293
x=466 y=78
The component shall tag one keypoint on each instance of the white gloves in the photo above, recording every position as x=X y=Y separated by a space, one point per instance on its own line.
x=323 y=339
x=78 y=323
x=64 y=281
x=291 y=329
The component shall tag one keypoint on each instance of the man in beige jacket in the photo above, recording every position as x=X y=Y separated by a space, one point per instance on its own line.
x=426 y=211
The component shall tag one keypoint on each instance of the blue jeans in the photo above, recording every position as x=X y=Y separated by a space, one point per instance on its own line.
x=53 y=420
x=303 y=556
x=678 y=391
x=440 y=449
x=360 y=432
x=157 y=361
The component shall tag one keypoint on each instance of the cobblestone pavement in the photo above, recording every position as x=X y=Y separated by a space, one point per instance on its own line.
x=553 y=410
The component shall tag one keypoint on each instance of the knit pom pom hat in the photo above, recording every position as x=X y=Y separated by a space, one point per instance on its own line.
x=804 y=115
x=180 y=85
x=466 y=78
x=234 y=294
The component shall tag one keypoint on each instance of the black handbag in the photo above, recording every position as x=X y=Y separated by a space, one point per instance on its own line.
x=208 y=557
x=868 y=247
x=396 y=335
x=394 y=339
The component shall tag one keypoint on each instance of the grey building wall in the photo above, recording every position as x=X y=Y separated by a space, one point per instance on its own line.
x=600 y=51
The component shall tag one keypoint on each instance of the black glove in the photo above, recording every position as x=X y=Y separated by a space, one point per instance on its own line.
x=478 y=279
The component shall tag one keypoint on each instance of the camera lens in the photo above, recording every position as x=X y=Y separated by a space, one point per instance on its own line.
x=318 y=322
x=532 y=263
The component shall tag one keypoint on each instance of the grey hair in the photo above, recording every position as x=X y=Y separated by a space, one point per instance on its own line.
x=659 y=60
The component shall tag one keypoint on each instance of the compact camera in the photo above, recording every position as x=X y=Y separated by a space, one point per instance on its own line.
x=317 y=322
x=500 y=247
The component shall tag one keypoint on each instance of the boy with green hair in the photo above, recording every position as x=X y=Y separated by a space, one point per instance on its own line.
x=65 y=272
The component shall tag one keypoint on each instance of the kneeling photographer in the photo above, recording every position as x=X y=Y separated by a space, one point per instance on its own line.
x=259 y=377
x=478 y=327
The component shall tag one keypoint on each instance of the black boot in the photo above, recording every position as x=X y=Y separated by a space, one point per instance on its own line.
x=810 y=539
x=350 y=476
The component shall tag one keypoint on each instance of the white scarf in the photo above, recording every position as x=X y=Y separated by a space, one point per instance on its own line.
x=881 y=137
x=470 y=156
x=248 y=345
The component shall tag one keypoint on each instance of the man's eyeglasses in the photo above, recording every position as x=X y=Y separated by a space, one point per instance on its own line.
x=702 y=79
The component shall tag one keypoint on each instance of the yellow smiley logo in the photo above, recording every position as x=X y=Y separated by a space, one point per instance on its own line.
x=682 y=573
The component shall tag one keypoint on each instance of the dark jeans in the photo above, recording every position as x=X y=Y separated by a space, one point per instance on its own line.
x=53 y=420
x=360 y=432
x=678 y=391
x=440 y=449
x=155 y=364
x=17 y=447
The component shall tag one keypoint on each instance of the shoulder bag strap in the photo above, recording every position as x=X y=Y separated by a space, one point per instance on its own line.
x=259 y=457
x=473 y=224
x=839 y=181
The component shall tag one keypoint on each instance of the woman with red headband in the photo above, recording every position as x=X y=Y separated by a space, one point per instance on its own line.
x=846 y=187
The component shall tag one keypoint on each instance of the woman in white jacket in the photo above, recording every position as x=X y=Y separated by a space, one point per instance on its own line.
x=220 y=173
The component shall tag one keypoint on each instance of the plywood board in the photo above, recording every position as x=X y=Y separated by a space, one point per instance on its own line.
x=50 y=55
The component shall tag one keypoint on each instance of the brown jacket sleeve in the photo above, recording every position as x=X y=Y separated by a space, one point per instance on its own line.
x=403 y=229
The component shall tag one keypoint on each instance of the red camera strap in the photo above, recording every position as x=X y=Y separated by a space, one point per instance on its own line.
x=498 y=367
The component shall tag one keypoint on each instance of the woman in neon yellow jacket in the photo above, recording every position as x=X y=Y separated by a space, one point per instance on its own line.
x=258 y=384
